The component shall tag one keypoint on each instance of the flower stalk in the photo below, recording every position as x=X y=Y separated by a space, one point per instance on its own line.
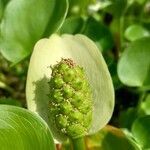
x=78 y=144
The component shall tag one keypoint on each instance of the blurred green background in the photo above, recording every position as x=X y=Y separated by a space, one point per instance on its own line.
x=121 y=30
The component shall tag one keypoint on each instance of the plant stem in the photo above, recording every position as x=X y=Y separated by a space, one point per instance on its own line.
x=78 y=144
x=66 y=145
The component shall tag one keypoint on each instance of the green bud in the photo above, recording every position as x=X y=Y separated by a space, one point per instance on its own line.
x=70 y=99
x=58 y=82
x=76 y=116
x=65 y=108
x=67 y=91
x=76 y=130
x=77 y=99
x=69 y=75
x=61 y=121
x=56 y=96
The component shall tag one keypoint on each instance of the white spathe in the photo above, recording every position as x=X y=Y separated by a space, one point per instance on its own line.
x=83 y=52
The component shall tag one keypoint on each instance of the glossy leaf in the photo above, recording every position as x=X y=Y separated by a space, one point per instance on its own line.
x=134 y=64
x=135 y=32
x=99 y=33
x=82 y=51
x=109 y=138
x=23 y=130
x=141 y=131
x=21 y=29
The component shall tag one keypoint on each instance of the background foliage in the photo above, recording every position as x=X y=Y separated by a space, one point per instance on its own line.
x=120 y=28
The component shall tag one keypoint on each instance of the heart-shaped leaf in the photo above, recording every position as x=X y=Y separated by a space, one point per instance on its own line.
x=83 y=52
x=24 y=22
x=141 y=131
x=23 y=130
x=134 y=64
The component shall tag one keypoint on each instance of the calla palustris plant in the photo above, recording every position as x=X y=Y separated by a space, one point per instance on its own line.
x=69 y=85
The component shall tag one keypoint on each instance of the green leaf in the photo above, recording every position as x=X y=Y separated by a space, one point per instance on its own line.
x=23 y=130
x=130 y=2
x=72 y=25
x=145 y=105
x=112 y=66
x=118 y=7
x=99 y=33
x=127 y=117
x=140 y=1
x=135 y=32
x=109 y=138
x=1 y=9
x=10 y=101
x=134 y=64
x=29 y=22
x=83 y=52
x=141 y=131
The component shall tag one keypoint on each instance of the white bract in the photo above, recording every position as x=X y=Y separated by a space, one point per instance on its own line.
x=83 y=52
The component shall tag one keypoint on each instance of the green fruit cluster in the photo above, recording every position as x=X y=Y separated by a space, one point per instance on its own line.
x=70 y=99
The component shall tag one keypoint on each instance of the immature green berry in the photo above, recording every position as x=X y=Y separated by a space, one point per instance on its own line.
x=70 y=99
